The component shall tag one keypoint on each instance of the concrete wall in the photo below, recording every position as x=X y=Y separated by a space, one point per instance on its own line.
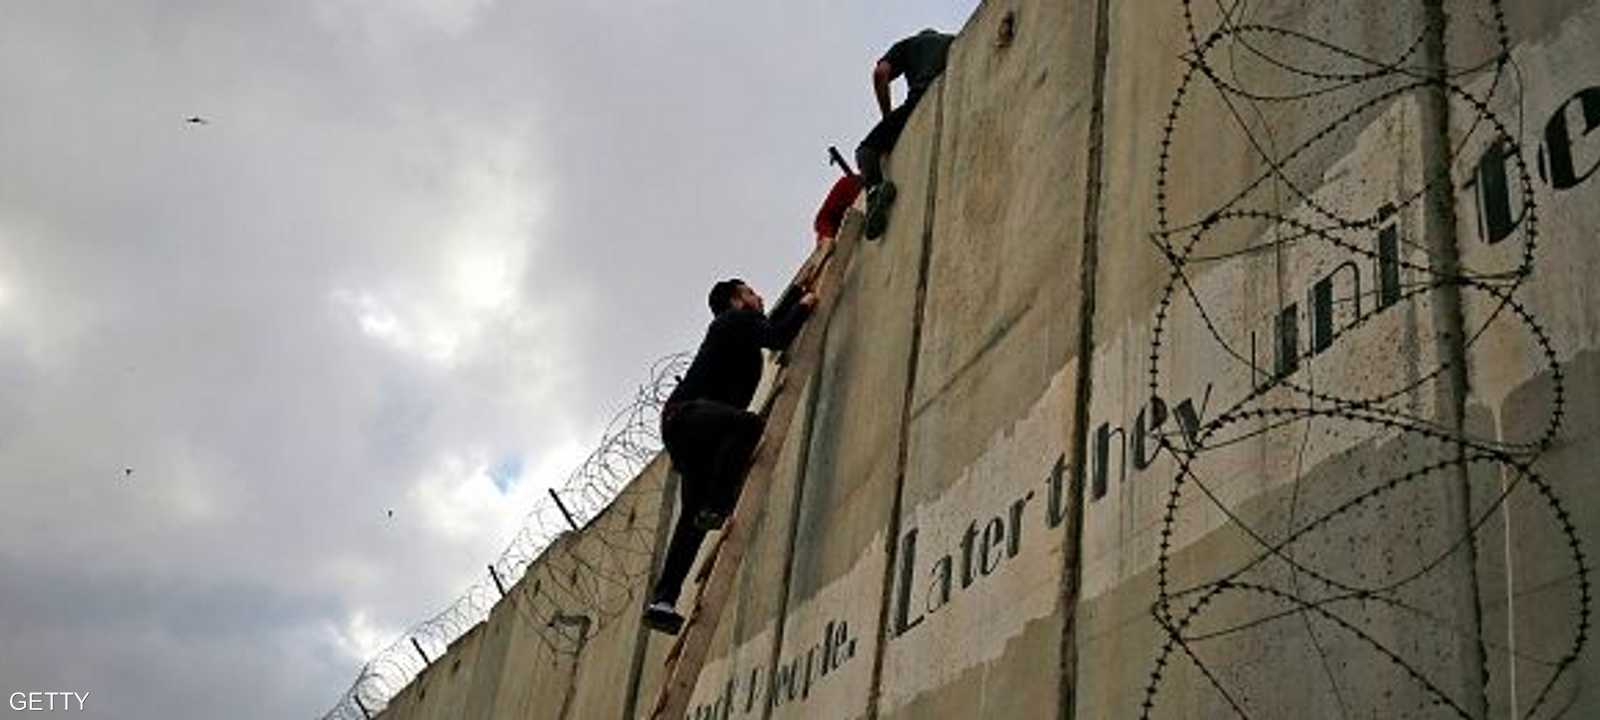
x=1212 y=365
x=565 y=642
x=1531 y=356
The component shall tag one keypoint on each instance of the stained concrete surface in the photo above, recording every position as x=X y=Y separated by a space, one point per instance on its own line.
x=1330 y=499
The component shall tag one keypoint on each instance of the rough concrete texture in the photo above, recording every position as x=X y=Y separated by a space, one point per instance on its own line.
x=443 y=689
x=537 y=672
x=607 y=641
x=1225 y=563
x=1298 y=294
x=733 y=681
x=991 y=400
x=488 y=669
x=1531 y=341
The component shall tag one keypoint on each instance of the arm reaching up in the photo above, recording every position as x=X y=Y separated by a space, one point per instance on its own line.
x=787 y=319
x=882 y=75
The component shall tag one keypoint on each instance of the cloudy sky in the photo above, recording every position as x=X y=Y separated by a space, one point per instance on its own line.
x=420 y=254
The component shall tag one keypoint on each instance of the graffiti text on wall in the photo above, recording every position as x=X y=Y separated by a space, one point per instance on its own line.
x=986 y=544
x=746 y=692
x=1359 y=578
x=1565 y=161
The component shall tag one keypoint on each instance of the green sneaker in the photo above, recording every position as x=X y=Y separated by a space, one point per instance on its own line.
x=709 y=520
x=878 y=201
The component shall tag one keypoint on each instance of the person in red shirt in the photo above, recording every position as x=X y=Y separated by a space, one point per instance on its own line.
x=831 y=215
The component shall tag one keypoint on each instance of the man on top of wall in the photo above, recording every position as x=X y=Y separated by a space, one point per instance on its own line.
x=920 y=58
x=708 y=431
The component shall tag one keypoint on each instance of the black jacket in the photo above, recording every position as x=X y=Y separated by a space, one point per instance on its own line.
x=727 y=368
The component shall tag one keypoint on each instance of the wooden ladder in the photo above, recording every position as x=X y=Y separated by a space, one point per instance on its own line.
x=688 y=654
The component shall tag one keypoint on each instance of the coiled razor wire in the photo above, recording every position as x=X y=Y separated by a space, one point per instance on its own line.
x=1330 y=580
x=576 y=587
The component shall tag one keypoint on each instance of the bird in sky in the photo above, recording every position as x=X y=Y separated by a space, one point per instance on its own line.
x=391 y=513
x=127 y=472
x=197 y=120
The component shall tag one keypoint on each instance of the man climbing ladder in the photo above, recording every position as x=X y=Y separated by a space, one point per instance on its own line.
x=823 y=273
x=707 y=430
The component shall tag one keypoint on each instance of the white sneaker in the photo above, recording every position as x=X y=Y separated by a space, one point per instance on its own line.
x=663 y=617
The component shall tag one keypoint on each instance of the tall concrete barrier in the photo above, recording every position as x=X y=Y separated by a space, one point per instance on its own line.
x=977 y=615
x=1220 y=360
x=1262 y=513
x=1527 y=205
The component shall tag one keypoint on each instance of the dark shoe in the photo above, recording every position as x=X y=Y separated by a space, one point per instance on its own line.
x=709 y=520
x=662 y=617
x=878 y=201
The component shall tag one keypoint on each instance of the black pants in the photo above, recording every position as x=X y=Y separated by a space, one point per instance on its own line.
x=880 y=141
x=710 y=445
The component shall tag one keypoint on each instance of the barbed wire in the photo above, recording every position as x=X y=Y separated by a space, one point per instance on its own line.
x=576 y=587
x=1349 y=562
